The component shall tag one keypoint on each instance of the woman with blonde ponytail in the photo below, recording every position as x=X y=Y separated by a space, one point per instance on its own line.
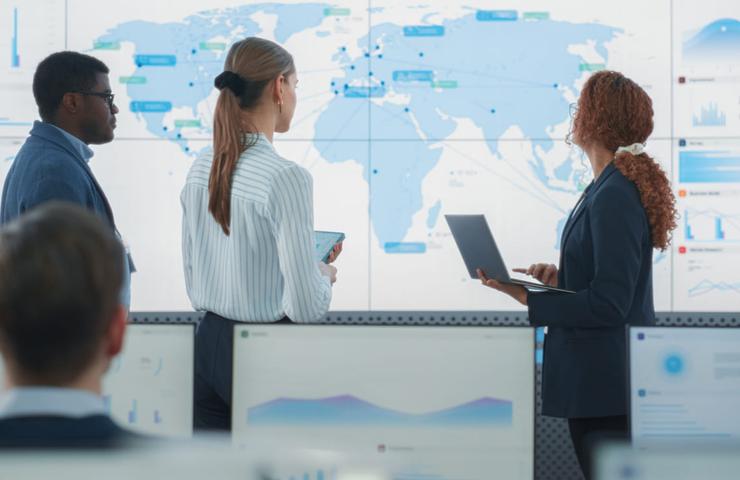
x=247 y=231
x=606 y=259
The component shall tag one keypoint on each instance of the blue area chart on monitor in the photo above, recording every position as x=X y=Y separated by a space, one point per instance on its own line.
x=348 y=411
x=707 y=286
x=718 y=41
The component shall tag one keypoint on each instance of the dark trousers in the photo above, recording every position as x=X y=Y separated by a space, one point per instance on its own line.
x=214 y=352
x=585 y=431
x=213 y=357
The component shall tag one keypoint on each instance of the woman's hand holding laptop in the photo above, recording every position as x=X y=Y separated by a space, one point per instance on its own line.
x=546 y=273
x=517 y=292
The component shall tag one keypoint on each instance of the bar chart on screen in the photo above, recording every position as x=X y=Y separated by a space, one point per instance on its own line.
x=711 y=225
x=148 y=387
x=29 y=31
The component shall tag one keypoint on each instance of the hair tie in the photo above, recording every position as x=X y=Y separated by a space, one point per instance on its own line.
x=634 y=149
x=232 y=81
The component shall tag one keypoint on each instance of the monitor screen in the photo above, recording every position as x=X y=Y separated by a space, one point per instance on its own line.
x=428 y=398
x=684 y=384
x=182 y=460
x=400 y=120
x=149 y=386
x=622 y=462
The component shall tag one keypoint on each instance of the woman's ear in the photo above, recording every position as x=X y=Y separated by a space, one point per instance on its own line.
x=277 y=89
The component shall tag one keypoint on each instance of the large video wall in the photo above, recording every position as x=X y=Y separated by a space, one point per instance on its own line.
x=407 y=111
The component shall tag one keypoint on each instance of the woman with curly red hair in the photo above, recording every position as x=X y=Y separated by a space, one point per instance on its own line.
x=606 y=259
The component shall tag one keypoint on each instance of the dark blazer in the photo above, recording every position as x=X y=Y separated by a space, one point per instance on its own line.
x=606 y=257
x=94 y=431
x=46 y=168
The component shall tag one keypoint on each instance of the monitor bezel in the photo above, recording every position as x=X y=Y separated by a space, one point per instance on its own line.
x=628 y=329
x=283 y=324
x=194 y=326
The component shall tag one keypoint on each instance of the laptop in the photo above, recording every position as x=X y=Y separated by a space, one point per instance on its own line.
x=479 y=250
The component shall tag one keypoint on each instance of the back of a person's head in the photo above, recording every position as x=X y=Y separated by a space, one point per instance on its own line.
x=61 y=271
x=60 y=73
x=250 y=66
x=614 y=111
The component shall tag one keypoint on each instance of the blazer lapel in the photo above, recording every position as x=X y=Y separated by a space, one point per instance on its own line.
x=572 y=221
x=106 y=204
x=584 y=205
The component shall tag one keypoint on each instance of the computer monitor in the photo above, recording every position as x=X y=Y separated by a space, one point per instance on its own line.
x=149 y=386
x=181 y=460
x=444 y=402
x=622 y=462
x=684 y=385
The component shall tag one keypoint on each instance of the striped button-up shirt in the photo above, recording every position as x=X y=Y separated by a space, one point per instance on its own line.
x=266 y=268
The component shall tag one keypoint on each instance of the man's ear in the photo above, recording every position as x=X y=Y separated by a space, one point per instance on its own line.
x=71 y=102
x=117 y=331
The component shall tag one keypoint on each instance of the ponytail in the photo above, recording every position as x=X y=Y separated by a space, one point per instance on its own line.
x=656 y=194
x=250 y=66
x=228 y=144
x=615 y=111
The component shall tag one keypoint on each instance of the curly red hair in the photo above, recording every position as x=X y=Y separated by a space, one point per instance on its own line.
x=614 y=111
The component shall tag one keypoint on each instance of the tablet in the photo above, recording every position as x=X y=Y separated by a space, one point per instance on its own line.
x=325 y=242
x=478 y=248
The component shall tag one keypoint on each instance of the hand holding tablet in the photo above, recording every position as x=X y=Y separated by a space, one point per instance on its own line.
x=328 y=245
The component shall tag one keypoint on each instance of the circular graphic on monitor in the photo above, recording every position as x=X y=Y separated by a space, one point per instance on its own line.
x=673 y=364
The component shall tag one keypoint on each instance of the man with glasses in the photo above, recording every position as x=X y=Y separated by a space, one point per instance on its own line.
x=76 y=107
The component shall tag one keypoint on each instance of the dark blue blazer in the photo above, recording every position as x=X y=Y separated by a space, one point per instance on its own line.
x=46 y=168
x=49 y=431
x=606 y=257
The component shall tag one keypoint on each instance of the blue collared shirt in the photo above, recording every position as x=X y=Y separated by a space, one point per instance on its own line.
x=64 y=402
x=86 y=153
x=81 y=147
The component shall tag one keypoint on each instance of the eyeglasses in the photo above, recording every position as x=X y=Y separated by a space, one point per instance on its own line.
x=573 y=109
x=108 y=97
